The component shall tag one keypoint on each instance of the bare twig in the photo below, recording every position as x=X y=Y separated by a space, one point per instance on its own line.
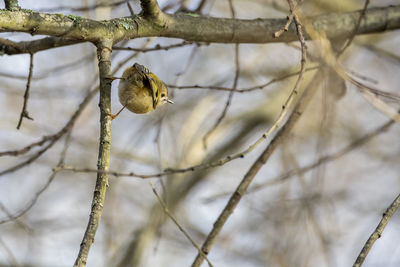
x=241 y=90
x=156 y=48
x=348 y=42
x=327 y=158
x=52 y=139
x=285 y=28
x=24 y=112
x=130 y=8
x=378 y=231
x=30 y=47
x=229 y=99
x=200 y=6
x=32 y=202
x=168 y=213
x=104 y=53
x=234 y=86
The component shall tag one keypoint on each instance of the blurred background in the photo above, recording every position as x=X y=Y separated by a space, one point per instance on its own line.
x=318 y=217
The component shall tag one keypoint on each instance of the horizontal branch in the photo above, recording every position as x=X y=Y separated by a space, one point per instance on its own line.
x=192 y=27
x=29 y=47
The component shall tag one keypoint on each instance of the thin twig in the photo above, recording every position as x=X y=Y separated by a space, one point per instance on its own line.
x=235 y=82
x=130 y=8
x=378 y=231
x=241 y=90
x=52 y=139
x=285 y=28
x=348 y=42
x=24 y=112
x=229 y=99
x=157 y=47
x=32 y=202
x=104 y=54
x=168 y=213
x=327 y=158
x=200 y=6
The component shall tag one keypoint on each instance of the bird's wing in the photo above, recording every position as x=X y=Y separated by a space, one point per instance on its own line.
x=147 y=76
x=154 y=91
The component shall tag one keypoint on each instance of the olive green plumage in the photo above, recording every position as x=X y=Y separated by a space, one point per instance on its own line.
x=141 y=91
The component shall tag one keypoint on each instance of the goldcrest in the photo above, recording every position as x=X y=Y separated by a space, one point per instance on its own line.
x=140 y=90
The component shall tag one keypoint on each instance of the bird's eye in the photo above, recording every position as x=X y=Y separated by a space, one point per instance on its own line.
x=162 y=95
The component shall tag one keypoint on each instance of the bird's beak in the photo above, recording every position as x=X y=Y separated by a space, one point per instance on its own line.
x=170 y=101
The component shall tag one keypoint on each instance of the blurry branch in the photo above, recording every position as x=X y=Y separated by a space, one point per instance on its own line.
x=33 y=201
x=11 y=257
x=327 y=158
x=372 y=96
x=12 y=5
x=84 y=8
x=228 y=100
x=24 y=112
x=280 y=137
x=51 y=139
x=177 y=190
x=153 y=22
x=234 y=86
x=24 y=47
x=348 y=42
x=330 y=58
x=241 y=90
x=308 y=201
x=104 y=55
x=378 y=231
x=166 y=210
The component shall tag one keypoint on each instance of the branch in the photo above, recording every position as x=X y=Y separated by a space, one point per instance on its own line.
x=169 y=214
x=348 y=42
x=192 y=28
x=24 y=112
x=150 y=9
x=228 y=100
x=378 y=231
x=12 y=48
x=104 y=53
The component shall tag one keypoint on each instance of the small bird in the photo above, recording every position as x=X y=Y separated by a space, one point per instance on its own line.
x=140 y=90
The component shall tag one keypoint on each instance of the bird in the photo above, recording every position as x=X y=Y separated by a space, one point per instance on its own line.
x=140 y=90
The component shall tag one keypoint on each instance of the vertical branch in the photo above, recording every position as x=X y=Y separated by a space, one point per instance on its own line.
x=24 y=112
x=103 y=53
x=378 y=231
